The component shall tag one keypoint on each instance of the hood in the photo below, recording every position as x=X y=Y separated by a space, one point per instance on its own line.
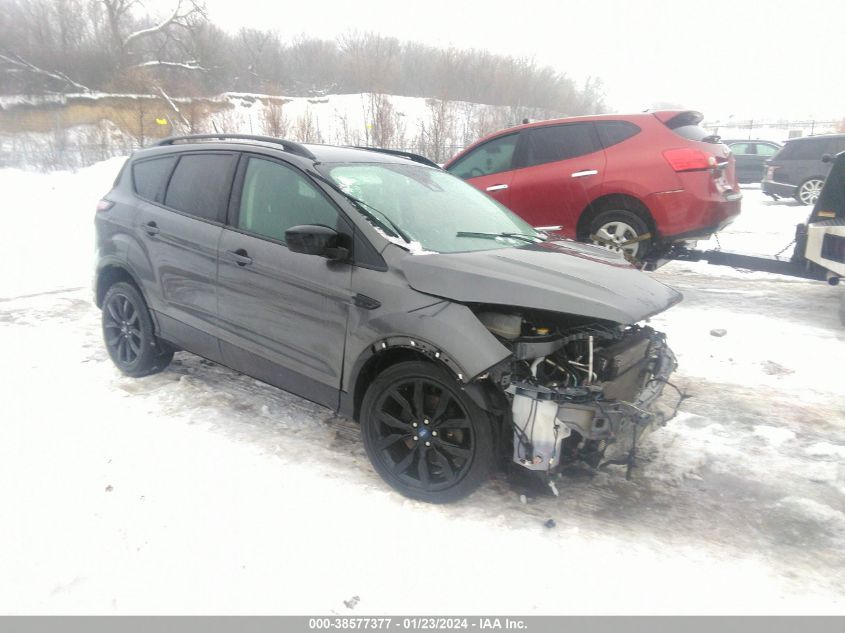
x=563 y=277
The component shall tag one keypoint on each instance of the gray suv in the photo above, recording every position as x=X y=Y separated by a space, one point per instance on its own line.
x=798 y=171
x=386 y=289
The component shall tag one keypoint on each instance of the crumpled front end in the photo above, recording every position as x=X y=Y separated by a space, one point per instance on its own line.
x=582 y=391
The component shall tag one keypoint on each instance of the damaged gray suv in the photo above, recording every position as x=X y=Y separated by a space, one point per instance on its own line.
x=378 y=285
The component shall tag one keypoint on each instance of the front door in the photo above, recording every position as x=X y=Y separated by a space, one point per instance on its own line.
x=282 y=315
x=489 y=166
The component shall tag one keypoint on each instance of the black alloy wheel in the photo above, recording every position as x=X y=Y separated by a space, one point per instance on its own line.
x=424 y=435
x=122 y=327
x=128 y=333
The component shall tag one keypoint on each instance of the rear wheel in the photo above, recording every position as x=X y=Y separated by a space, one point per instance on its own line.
x=809 y=191
x=128 y=333
x=424 y=435
x=623 y=231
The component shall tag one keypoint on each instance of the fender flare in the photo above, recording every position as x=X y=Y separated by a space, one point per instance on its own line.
x=112 y=262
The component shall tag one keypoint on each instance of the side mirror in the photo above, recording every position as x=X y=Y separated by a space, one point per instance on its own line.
x=827 y=158
x=314 y=239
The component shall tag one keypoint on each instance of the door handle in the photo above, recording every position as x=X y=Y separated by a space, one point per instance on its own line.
x=151 y=229
x=496 y=187
x=240 y=256
x=586 y=172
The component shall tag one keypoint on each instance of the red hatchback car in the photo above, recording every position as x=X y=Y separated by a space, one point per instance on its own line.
x=637 y=183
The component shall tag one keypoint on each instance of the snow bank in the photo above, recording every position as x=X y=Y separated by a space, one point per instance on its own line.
x=48 y=241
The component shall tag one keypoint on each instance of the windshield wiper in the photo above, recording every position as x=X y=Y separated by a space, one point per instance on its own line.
x=533 y=239
x=381 y=220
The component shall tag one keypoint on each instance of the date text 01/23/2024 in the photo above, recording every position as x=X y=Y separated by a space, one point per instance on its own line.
x=415 y=624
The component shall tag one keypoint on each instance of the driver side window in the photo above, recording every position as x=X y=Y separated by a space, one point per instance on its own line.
x=492 y=157
x=276 y=198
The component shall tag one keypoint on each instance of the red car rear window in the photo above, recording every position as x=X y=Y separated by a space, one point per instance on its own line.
x=686 y=125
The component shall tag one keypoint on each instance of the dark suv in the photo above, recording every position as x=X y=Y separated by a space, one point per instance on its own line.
x=388 y=290
x=751 y=157
x=798 y=171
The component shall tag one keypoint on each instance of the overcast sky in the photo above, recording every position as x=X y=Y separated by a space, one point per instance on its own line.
x=749 y=59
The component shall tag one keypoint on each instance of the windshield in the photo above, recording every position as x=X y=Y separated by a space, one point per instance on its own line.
x=432 y=208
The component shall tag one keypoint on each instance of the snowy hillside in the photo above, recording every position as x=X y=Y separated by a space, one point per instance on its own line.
x=76 y=130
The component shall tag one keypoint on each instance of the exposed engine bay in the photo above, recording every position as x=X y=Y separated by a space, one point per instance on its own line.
x=579 y=389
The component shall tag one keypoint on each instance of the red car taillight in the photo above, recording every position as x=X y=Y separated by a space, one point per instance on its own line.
x=686 y=159
x=104 y=205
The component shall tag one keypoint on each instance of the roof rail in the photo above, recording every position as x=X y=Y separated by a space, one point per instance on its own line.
x=288 y=146
x=417 y=158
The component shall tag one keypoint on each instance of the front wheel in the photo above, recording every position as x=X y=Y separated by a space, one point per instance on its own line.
x=809 y=191
x=424 y=435
x=128 y=333
x=622 y=231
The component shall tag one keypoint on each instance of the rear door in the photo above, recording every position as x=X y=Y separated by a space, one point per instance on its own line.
x=179 y=224
x=745 y=156
x=489 y=167
x=560 y=170
x=282 y=314
x=800 y=160
x=763 y=153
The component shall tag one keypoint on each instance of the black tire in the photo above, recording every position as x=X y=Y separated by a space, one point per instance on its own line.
x=128 y=333
x=808 y=191
x=453 y=452
x=636 y=224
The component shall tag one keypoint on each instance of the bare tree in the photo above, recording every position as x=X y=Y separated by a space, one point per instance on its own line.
x=274 y=119
x=53 y=33
x=85 y=45
x=370 y=61
x=18 y=63
x=126 y=41
x=182 y=122
x=253 y=42
x=307 y=129
x=384 y=126
x=344 y=134
x=436 y=139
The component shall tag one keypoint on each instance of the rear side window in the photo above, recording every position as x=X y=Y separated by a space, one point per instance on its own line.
x=613 y=132
x=200 y=185
x=809 y=149
x=686 y=125
x=742 y=148
x=276 y=197
x=149 y=177
x=766 y=150
x=492 y=157
x=559 y=142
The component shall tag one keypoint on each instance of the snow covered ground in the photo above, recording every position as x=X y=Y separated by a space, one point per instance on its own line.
x=199 y=490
